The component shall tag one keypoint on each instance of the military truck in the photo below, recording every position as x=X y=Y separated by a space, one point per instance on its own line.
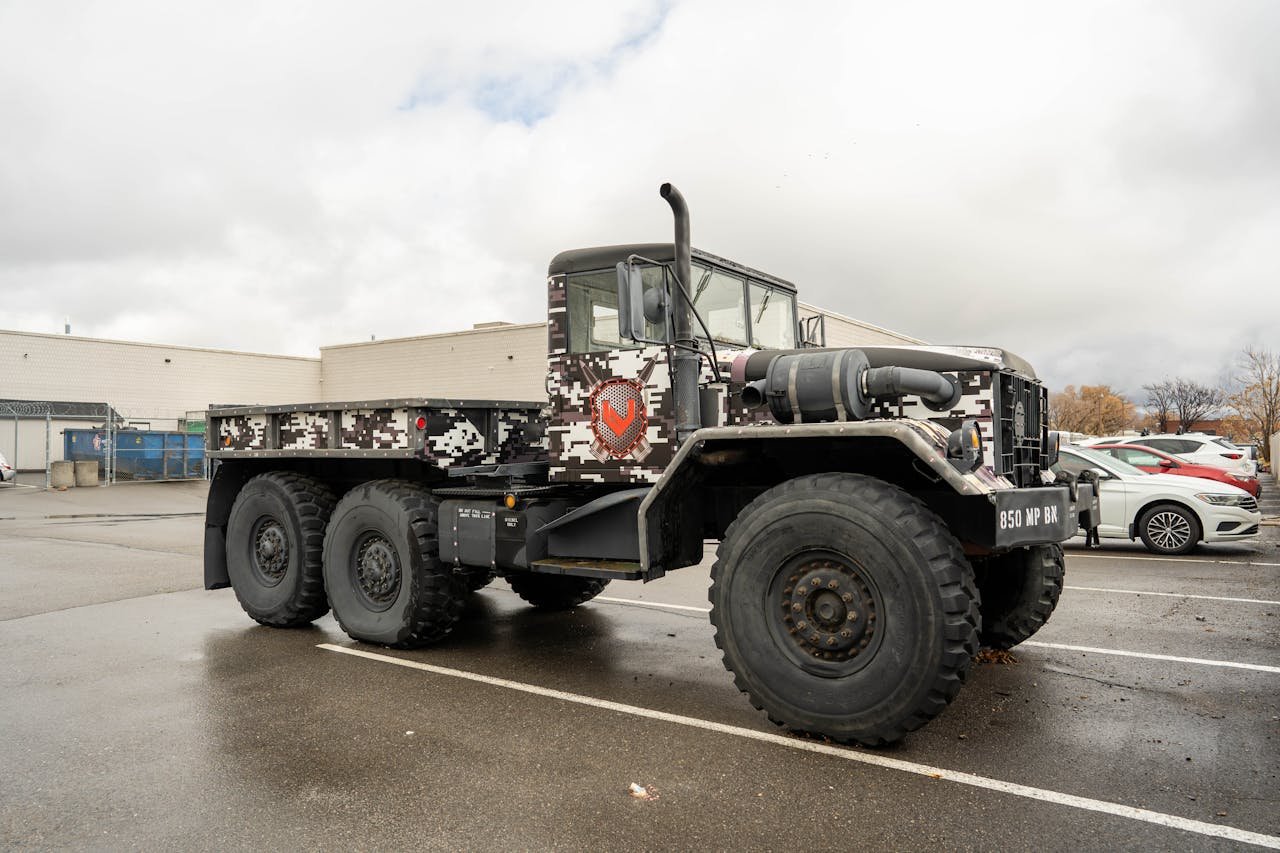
x=880 y=511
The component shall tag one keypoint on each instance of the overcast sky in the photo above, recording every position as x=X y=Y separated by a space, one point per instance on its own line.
x=1095 y=186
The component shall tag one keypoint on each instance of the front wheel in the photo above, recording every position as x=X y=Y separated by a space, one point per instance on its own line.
x=844 y=607
x=1169 y=529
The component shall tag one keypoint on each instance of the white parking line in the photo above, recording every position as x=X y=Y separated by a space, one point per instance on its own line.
x=1118 y=652
x=1077 y=556
x=1257 y=667
x=1172 y=594
x=654 y=604
x=873 y=759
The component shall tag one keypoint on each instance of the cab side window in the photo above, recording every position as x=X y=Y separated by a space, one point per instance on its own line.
x=593 y=311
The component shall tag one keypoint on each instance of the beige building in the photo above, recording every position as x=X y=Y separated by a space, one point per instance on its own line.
x=154 y=386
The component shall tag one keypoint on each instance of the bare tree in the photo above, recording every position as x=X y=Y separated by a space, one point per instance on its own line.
x=1193 y=401
x=1160 y=403
x=1258 y=398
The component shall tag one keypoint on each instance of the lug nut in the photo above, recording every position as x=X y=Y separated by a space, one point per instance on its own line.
x=795 y=607
x=853 y=616
x=831 y=641
x=833 y=583
x=816 y=581
x=802 y=625
x=846 y=597
x=846 y=634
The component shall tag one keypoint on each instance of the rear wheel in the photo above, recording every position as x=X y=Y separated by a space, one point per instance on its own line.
x=382 y=567
x=275 y=535
x=1020 y=589
x=844 y=607
x=1169 y=529
x=555 y=592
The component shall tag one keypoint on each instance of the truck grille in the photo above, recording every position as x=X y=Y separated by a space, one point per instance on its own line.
x=1022 y=429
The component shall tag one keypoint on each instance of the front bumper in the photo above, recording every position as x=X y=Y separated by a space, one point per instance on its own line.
x=1008 y=518
x=1223 y=524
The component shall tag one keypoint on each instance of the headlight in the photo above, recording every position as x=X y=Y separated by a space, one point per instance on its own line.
x=1244 y=478
x=1226 y=500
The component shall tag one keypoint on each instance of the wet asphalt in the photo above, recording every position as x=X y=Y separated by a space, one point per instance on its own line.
x=139 y=711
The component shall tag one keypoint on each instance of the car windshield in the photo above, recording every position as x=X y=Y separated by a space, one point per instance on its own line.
x=1106 y=461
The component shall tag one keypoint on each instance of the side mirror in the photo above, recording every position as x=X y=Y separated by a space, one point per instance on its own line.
x=1102 y=474
x=631 y=302
x=655 y=306
x=1167 y=463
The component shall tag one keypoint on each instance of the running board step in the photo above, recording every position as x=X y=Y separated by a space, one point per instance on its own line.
x=620 y=570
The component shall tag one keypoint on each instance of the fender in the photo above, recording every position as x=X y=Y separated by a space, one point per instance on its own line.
x=925 y=440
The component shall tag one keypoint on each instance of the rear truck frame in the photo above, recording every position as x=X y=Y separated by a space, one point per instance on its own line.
x=880 y=511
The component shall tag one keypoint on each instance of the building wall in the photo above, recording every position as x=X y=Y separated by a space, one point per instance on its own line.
x=154 y=385
x=506 y=362
x=148 y=381
x=22 y=441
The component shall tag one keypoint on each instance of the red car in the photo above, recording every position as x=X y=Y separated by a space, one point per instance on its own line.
x=1159 y=462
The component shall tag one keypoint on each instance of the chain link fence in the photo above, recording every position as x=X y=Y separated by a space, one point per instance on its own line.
x=44 y=440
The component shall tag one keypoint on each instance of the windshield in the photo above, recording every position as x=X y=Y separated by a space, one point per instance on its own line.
x=720 y=300
x=730 y=305
x=1098 y=459
x=773 y=325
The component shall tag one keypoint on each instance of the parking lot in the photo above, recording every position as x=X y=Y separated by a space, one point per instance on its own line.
x=139 y=710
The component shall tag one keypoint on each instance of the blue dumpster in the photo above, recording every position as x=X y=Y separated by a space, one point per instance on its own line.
x=140 y=454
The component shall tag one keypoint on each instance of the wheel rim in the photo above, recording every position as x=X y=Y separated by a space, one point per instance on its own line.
x=375 y=571
x=1169 y=530
x=822 y=611
x=269 y=551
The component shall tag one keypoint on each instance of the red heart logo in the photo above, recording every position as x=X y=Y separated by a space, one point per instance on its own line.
x=616 y=422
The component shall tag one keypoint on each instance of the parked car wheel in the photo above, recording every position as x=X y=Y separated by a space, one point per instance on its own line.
x=1169 y=529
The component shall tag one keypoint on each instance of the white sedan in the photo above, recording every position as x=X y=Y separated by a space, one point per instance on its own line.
x=1170 y=514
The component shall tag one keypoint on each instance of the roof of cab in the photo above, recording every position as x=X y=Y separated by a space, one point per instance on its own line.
x=606 y=257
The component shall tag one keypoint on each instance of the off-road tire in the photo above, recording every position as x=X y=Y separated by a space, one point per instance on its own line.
x=275 y=538
x=382 y=568
x=1020 y=589
x=473 y=579
x=911 y=610
x=555 y=592
x=1162 y=533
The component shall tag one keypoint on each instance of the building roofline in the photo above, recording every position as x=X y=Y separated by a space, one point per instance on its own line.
x=837 y=315
x=506 y=327
x=156 y=346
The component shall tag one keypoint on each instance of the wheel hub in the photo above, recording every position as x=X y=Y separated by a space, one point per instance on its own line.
x=828 y=610
x=1169 y=530
x=377 y=571
x=270 y=550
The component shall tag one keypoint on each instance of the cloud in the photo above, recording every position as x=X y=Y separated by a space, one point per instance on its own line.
x=1093 y=186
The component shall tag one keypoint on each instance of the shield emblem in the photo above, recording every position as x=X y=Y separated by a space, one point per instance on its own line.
x=619 y=420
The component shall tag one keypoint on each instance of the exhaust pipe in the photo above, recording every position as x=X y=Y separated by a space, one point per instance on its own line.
x=688 y=411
